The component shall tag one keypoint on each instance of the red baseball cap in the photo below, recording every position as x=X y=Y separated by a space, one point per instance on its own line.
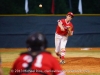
x=70 y=13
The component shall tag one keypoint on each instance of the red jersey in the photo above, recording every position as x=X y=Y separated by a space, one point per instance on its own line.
x=44 y=62
x=65 y=25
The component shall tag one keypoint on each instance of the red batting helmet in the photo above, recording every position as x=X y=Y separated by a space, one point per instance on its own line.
x=70 y=13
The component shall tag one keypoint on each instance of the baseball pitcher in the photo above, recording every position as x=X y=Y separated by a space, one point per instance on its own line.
x=63 y=30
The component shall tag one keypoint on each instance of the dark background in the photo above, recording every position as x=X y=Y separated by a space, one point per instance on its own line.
x=16 y=25
x=14 y=30
x=61 y=6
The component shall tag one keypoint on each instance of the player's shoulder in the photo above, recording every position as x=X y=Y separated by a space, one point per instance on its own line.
x=21 y=56
x=48 y=54
x=47 y=57
x=63 y=19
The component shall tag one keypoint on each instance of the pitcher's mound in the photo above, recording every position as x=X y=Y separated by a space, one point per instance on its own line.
x=82 y=65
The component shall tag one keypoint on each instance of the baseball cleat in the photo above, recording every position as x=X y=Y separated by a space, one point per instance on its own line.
x=62 y=62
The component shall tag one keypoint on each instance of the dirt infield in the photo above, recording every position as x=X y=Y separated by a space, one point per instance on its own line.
x=68 y=49
x=76 y=64
x=82 y=65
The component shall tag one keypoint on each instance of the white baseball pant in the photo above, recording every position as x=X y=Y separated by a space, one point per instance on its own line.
x=60 y=42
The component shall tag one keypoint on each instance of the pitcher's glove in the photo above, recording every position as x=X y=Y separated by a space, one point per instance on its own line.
x=69 y=31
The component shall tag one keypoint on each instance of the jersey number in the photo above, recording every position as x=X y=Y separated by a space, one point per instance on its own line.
x=38 y=62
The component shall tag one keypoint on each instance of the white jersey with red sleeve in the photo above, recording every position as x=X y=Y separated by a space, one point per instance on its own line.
x=65 y=25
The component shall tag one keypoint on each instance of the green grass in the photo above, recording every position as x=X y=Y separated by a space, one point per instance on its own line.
x=6 y=71
x=82 y=54
x=12 y=55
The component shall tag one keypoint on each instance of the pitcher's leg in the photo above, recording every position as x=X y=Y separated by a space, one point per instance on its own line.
x=57 y=44
x=63 y=46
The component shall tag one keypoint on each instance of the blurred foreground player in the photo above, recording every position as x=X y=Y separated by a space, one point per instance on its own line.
x=36 y=61
x=63 y=30
x=1 y=72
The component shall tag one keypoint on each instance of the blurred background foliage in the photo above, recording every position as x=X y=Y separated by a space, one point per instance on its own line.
x=61 y=6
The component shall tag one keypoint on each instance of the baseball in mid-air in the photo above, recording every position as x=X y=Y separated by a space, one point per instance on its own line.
x=40 y=5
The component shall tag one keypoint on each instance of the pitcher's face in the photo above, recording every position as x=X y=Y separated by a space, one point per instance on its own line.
x=69 y=17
